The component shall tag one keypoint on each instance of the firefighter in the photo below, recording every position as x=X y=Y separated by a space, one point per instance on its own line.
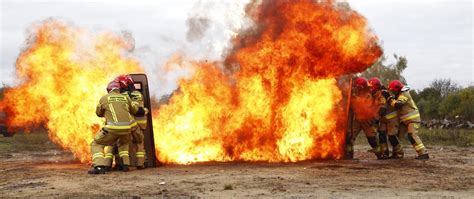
x=357 y=123
x=127 y=88
x=137 y=135
x=117 y=110
x=408 y=115
x=111 y=152
x=388 y=121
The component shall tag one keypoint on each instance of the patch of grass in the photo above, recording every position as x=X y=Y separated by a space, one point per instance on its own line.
x=447 y=137
x=26 y=142
x=228 y=187
x=439 y=137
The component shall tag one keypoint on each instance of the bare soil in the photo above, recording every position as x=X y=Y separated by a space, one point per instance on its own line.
x=55 y=173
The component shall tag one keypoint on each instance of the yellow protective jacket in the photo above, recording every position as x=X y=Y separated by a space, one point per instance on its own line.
x=406 y=108
x=391 y=115
x=137 y=98
x=117 y=109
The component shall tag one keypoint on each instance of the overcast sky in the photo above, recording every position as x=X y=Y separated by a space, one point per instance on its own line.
x=434 y=35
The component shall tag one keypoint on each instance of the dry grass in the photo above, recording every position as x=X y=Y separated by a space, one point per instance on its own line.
x=448 y=137
x=26 y=142
x=436 y=137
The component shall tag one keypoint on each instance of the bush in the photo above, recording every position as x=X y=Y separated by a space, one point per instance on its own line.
x=459 y=103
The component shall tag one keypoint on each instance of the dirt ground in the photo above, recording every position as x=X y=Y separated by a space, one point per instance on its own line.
x=54 y=173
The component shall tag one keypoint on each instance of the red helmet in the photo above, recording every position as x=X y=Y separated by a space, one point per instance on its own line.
x=123 y=81
x=395 y=86
x=129 y=80
x=374 y=84
x=113 y=85
x=130 y=83
x=360 y=83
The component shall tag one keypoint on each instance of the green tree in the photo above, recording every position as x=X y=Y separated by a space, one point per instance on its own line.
x=388 y=72
x=427 y=101
x=444 y=86
x=442 y=99
x=458 y=103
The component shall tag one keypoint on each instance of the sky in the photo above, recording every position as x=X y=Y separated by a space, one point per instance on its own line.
x=434 y=35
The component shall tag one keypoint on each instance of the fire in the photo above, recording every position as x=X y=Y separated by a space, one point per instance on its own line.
x=363 y=107
x=276 y=97
x=62 y=73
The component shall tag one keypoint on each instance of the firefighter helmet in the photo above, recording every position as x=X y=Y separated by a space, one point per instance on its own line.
x=113 y=85
x=395 y=86
x=130 y=82
x=374 y=84
x=123 y=81
x=129 y=79
x=360 y=83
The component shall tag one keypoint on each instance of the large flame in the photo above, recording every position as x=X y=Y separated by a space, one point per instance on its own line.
x=275 y=98
x=281 y=101
x=62 y=74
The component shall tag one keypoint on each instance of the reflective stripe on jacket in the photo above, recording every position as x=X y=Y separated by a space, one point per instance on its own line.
x=117 y=110
x=408 y=112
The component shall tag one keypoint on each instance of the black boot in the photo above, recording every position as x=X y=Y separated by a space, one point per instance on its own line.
x=140 y=167
x=117 y=167
x=97 y=170
x=375 y=147
x=423 y=157
x=383 y=145
x=349 y=152
x=125 y=168
x=397 y=151
x=386 y=153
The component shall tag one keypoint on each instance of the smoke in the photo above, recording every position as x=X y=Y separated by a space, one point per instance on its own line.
x=197 y=28
x=211 y=26
x=198 y=21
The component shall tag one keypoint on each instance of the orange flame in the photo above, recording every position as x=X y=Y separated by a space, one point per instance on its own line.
x=364 y=107
x=281 y=101
x=275 y=98
x=63 y=72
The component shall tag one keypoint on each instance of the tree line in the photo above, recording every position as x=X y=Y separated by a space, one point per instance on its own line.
x=442 y=99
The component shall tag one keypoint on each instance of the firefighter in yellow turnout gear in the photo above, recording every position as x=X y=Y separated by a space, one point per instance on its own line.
x=408 y=115
x=137 y=137
x=388 y=121
x=117 y=110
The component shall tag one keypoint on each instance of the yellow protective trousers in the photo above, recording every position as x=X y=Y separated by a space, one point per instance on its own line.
x=103 y=139
x=136 y=148
x=411 y=129
x=138 y=144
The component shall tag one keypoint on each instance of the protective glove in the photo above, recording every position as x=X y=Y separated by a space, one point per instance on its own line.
x=398 y=105
x=382 y=111
x=140 y=112
x=385 y=94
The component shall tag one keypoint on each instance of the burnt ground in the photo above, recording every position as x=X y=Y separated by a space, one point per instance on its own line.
x=51 y=172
